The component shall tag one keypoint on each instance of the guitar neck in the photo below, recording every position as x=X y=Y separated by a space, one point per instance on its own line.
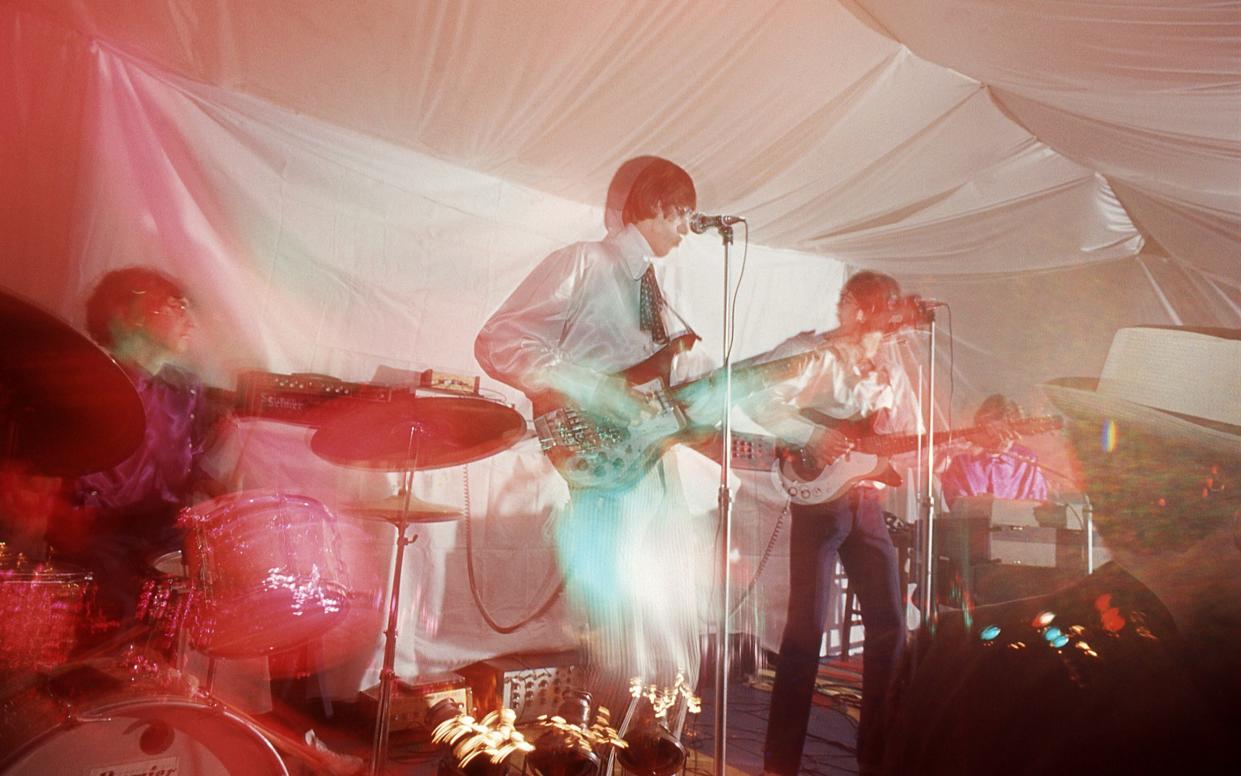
x=887 y=445
x=749 y=379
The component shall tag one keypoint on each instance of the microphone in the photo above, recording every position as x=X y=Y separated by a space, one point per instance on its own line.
x=701 y=222
x=912 y=310
x=925 y=306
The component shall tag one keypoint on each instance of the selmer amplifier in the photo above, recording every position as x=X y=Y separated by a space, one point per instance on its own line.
x=295 y=397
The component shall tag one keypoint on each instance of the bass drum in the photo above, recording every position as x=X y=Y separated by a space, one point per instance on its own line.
x=139 y=736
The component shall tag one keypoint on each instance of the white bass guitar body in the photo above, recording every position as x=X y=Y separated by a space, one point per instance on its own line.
x=806 y=481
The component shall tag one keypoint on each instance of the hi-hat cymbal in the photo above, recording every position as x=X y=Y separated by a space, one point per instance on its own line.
x=394 y=508
x=69 y=407
x=415 y=432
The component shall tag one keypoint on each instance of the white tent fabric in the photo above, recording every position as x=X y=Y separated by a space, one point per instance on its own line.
x=808 y=117
x=348 y=184
x=828 y=136
x=1145 y=93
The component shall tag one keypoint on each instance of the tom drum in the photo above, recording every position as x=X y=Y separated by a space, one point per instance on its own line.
x=266 y=571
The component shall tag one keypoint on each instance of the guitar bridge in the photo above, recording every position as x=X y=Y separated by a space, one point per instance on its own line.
x=570 y=429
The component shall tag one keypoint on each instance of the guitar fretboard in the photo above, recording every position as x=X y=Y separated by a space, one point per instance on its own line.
x=885 y=445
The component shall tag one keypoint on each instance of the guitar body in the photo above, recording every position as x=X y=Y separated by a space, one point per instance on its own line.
x=590 y=452
x=805 y=481
x=593 y=452
x=807 y=484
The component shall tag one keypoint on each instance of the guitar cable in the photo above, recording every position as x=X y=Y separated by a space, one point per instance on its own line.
x=762 y=561
x=469 y=568
x=732 y=319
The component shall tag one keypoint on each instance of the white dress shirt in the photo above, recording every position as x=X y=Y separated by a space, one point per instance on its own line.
x=574 y=320
x=837 y=388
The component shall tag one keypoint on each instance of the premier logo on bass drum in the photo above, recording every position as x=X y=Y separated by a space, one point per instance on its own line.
x=164 y=766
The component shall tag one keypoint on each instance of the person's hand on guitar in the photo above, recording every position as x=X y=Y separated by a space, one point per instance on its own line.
x=615 y=400
x=825 y=446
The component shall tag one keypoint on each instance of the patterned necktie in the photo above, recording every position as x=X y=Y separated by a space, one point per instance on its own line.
x=650 y=308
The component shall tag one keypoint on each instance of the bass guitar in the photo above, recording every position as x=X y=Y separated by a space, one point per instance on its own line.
x=590 y=451
x=807 y=481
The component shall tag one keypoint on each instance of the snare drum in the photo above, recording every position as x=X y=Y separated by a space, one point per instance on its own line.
x=41 y=611
x=166 y=605
x=169 y=564
x=132 y=736
x=266 y=572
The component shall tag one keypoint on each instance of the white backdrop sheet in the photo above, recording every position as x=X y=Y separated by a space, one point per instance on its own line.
x=311 y=248
x=344 y=185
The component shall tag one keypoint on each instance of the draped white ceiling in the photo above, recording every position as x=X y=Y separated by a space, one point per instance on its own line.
x=959 y=144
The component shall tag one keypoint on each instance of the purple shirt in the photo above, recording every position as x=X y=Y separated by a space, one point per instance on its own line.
x=1011 y=475
x=155 y=480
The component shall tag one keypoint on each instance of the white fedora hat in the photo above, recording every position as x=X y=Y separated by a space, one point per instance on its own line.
x=1181 y=383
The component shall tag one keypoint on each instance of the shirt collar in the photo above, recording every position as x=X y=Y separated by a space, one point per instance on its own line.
x=634 y=250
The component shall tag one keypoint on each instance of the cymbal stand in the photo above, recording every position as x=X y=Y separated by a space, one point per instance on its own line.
x=387 y=674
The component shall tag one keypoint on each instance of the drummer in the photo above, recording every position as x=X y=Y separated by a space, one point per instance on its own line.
x=127 y=514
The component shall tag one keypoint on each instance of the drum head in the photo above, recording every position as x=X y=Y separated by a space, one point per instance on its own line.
x=266 y=573
x=140 y=737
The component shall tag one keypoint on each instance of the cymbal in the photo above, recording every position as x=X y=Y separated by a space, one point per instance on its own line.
x=415 y=432
x=72 y=409
x=393 y=509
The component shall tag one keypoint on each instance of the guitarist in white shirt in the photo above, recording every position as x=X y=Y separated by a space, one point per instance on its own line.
x=586 y=314
x=848 y=381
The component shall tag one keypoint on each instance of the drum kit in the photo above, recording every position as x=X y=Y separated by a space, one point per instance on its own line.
x=260 y=572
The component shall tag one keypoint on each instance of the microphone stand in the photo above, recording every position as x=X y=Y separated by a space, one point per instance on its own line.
x=927 y=604
x=725 y=510
x=1088 y=511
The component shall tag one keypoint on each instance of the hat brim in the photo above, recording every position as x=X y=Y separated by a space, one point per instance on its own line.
x=1079 y=398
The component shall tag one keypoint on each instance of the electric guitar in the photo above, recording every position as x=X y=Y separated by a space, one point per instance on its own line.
x=590 y=451
x=807 y=481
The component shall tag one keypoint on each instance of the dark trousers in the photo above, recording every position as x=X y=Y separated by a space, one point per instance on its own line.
x=852 y=526
x=118 y=549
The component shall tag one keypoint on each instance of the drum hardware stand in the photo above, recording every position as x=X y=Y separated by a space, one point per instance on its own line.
x=279 y=739
x=610 y=764
x=306 y=670
x=387 y=674
x=398 y=435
